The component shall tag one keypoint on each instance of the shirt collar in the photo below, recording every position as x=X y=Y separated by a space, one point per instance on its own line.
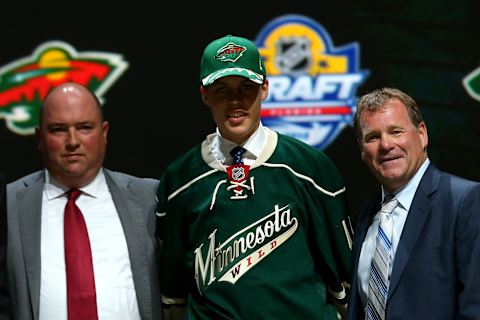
x=55 y=189
x=406 y=194
x=254 y=144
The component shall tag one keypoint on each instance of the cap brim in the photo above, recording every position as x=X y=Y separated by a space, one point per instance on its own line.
x=252 y=76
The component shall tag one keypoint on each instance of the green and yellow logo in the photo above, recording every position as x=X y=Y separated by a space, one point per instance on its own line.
x=25 y=82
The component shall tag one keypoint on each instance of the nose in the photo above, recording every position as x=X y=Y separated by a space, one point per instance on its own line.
x=234 y=96
x=386 y=143
x=72 y=138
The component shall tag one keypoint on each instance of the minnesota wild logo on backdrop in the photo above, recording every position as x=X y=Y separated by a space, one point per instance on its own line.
x=26 y=81
x=312 y=83
x=472 y=84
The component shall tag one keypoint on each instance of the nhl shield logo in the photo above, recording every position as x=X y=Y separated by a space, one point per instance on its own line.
x=293 y=55
x=238 y=173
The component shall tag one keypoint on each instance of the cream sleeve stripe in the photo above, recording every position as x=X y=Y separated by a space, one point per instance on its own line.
x=301 y=176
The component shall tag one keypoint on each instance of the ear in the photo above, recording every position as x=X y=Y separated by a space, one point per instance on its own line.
x=204 y=95
x=105 y=127
x=422 y=132
x=362 y=152
x=264 y=90
x=37 y=136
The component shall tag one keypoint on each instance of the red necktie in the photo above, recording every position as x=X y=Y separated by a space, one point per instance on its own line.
x=81 y=296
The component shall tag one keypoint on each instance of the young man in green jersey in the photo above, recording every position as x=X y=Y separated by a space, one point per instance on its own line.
x=259 y=232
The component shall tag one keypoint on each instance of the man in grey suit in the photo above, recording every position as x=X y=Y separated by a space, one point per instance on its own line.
x=430 y=248
x=4 y=302
x=118 y=210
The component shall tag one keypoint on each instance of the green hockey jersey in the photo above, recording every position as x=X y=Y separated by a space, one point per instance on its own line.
x=266 y=241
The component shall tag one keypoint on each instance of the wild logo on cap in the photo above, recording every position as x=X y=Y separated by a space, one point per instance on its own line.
x=231 y=56
x=231 y=52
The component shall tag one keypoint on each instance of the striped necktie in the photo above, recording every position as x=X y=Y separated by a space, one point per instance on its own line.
x=381 y=263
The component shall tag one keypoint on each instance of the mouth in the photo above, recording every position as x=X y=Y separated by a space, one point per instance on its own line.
x=388 y=159
x=237 y=114
x=72 y=156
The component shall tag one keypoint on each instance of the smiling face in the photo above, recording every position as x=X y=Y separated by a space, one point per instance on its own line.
x=392 y=147
x=235 y=104
x=72 y=135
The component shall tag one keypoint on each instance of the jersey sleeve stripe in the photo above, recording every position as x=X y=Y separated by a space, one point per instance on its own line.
x=281 y=165
x=188 y=184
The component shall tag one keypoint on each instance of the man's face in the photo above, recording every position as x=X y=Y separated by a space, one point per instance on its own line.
x=391 y=146
x=72 y=138
x=235 y=104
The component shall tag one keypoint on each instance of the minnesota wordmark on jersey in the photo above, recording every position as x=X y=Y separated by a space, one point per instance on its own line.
x=231 y=259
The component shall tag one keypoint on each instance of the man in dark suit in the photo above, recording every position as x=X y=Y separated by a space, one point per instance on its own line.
x=118 y=211
x=434 y=271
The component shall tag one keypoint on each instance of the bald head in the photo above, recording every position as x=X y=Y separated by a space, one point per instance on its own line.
x=66 y=92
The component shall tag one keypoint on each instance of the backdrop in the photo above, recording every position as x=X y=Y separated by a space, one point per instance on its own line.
x=429 y=48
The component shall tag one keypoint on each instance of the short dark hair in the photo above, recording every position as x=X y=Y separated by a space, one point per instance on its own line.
x=378 y=98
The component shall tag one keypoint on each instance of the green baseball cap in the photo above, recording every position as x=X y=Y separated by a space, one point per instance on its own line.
x=231 y=56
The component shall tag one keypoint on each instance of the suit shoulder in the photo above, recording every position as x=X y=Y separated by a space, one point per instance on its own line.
x=25 y=180
x=125 y=177
x=459 y=184
x=446 y=185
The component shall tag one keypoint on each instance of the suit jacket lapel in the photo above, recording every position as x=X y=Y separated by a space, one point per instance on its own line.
x=417 y=215
x=30 y=217
x=362 y=223
x=131 y=216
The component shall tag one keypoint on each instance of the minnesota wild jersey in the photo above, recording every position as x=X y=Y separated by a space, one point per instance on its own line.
x=266 y=241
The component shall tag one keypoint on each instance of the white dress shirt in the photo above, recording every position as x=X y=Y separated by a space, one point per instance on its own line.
x=399 y=215
x=221 y=147
x=116 y=298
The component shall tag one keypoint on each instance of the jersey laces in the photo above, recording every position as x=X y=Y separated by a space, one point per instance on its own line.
x=239 y=189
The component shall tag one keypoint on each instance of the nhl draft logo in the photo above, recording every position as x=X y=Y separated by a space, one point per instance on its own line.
x=25 y=82
x=472 y=84
x=312 y=83
x=231 y=52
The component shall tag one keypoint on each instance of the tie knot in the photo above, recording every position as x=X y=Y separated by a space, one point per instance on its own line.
x=388 y=197
x=237 y=154
x=389 y=204
x=73 y=194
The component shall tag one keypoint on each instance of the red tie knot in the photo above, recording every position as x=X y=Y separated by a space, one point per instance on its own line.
x=73 y=194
